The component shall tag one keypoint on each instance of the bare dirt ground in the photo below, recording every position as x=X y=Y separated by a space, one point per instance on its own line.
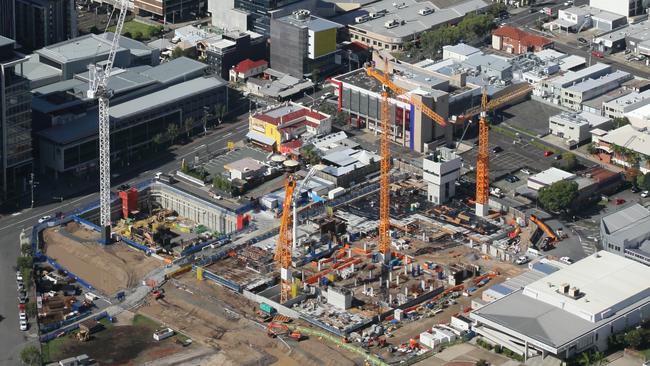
x=108 y=268
x=197 y=309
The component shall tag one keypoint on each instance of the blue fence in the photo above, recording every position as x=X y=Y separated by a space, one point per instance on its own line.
x=135 y=245
x=222 y=240
x=218 y=279
x=85 y=222
x=71 y=275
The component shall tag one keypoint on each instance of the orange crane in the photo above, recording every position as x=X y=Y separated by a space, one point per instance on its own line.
x=384 y=178
x=483 y=158
x=283 y=248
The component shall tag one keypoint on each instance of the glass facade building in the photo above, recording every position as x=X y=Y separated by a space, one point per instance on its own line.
x=259 y=20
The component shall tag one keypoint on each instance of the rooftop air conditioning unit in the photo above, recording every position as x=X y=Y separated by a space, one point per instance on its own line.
x=564 y=288
x=391 y=24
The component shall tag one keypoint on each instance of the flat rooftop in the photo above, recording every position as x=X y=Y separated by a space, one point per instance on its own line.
x=575 y=76
x=590 y=83
x=608 y=282
x=89 y=46
x=550 y=176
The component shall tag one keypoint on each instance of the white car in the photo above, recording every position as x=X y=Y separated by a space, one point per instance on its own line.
x=23 y=325
x=525 y=171
x=566 y=260
x=22 y=316
x=44 y=218
x=645 y=194
x=522 y=260
x=19 y=276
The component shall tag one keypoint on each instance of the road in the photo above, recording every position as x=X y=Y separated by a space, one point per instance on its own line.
x=12 y=340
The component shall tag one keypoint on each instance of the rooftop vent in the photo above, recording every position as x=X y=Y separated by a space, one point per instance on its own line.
x=301 y=14
x=391 y=24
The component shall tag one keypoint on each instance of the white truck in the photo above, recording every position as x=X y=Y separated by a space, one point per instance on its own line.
x=496 y=192
x=163 y=333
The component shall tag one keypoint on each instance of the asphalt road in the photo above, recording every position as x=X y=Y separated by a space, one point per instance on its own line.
x=12 y=340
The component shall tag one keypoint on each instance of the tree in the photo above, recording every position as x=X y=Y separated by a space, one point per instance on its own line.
x=157 y=140
x=127 y=34
x=631 y=175
x=138 y=36
x=309 y=155
x=94 y=29
x=634 y=338
x=172 y=132
x=31 y=356
x=558 y=196
x=591 y=149
x=177 y=52
x=643 y=181
x=481 y=362
x=219 y=111
x=585 y=358
x=188 y=126
x=620 y=122
x=570 y=161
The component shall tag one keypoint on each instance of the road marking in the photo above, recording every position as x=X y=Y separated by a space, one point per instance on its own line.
x=228 y=134
x=46 y=212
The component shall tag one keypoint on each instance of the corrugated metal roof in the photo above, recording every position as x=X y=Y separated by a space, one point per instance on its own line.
x=629 y=216
x=177 y=69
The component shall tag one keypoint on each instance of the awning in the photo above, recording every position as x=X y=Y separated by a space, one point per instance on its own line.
x=260 y=138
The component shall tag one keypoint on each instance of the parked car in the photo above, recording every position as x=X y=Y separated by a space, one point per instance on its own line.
x=19 y=276
x=44 y=218
x=557 y=157
x=635 y=189
x=566 y=260
x=526 y=171
x=23 y=325
x=522 y=260
x=597 y=54
x=497 y=149
x=22 y=316
x=645 y=194
x=582 y=40
x=548 y=153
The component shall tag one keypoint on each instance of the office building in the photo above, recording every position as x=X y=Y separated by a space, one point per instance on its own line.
x=571 y=310
x=576 y=128
x=15 y=124
x=258 y=12
x=40 y=23
x=302 y=43
x=171 y=11
x=227 y=50
x=626 y=233
x=441 y=169
x=627 y=8
x=8 y=18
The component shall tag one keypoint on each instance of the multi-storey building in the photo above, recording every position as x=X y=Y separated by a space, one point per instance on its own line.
x=8 y=18
x=15 y=123
x=44 y=22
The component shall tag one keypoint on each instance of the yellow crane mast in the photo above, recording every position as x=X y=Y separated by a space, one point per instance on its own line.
x=283 y=249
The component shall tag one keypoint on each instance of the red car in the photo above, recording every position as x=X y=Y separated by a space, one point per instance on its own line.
x=548 y=153
x=597 y=54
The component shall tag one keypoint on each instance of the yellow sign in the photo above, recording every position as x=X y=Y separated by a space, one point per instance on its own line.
x=231 y=145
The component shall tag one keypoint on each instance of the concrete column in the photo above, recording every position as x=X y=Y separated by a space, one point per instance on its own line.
x=481 y=210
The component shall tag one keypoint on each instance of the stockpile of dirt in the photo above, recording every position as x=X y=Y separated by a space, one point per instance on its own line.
x=108 y=268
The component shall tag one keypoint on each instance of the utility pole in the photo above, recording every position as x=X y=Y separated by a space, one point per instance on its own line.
x=32 y=183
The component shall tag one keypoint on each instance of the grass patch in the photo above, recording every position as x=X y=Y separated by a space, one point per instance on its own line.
x=143 y=321
x=504 y=131
x=106 y=323
x=54 y=350
x=138 y=30
x=182 y=337
x=645 y=354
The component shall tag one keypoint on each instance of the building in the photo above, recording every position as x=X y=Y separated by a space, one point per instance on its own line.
x=573 y=19
x=278 y=126
x=277 y=85
x=225 y=51
x=441 y=170
x=8 y=18
x=619 y=107
x=575 y=127
x=302 y=43
x=548 y=177
x=40 y=23
x=15 y=124
x=571 y=310
x=246 y=69
x=246 y=168
x=73 y=56
x=347 y=167
x=625 y=233
x=459 y=52
x=626 y=8
x=516 y=41
x=574 y=95
x=171 y=11
x=389 y=25
x=144 y=105
x=635 y=139
x=258 y=13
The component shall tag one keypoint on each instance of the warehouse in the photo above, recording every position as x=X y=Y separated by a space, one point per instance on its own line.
x=571 y=310
x=626 y=233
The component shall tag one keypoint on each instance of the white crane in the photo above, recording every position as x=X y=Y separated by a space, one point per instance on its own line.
x=98 y=75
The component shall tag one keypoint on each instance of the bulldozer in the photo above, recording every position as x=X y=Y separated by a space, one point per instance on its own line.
x=83 y=335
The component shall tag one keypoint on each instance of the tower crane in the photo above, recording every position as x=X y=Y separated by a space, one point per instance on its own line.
x=483 y=158
x=283 y=249
x=303 y=182
x=98 y=75
x=384 y=177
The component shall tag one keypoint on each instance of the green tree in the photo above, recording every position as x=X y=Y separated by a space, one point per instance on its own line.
x=94 y=29
x=172 y=132
x=496 y=9
x=585 y=358
x=127 y=34
x=643 y=181
x=570 y=161
x=591 y=149
x=31 y=356
x=620 y=122
x=309 y=155
x=631 y=175
x=481 y=362
x=23 y=262
x=634 y=338
x=157 y=140
x=188 y=126
x=178 y=52
x=219 y=111
x=138 y=36
x=559 y=195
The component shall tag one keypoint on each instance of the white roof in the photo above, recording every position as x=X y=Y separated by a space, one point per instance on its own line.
x=572 y=61
x=550 y=176
x=629 y=137
x=608 y=281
